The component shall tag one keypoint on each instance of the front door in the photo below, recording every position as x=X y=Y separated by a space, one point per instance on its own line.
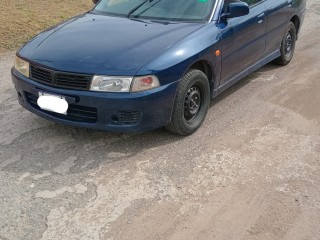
x=243 y=41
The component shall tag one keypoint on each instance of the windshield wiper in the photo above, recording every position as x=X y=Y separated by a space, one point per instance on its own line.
x=137 y=7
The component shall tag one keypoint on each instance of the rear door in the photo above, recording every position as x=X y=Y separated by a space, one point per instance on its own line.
x=243 y=40
x=278 y=13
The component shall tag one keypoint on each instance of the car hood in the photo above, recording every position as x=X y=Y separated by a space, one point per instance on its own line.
x=99 y=44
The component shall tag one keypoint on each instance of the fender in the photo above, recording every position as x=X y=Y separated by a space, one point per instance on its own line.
x=177 y=59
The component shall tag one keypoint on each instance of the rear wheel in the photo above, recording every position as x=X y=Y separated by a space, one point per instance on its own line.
x=191 y=104
x=288 y=45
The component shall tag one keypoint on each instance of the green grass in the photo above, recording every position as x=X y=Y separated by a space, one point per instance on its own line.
x=22 y=19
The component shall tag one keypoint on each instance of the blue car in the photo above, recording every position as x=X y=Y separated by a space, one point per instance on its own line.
x=132 y=66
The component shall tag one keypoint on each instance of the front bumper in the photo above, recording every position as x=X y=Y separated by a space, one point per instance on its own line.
x=121 y=112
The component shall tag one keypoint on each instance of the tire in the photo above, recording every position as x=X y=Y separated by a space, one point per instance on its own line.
x=191 y=103
x=288 y=45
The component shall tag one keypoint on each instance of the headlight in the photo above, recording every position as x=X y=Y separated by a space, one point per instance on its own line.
x=22 y=66
x=123 y=84
x=111 y=84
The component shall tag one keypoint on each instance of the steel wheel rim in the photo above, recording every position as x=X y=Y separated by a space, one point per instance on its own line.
x=192 y=103
x=288 y=44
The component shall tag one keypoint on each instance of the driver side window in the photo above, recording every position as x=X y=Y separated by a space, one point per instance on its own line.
x=251 y=2
x=226 y=4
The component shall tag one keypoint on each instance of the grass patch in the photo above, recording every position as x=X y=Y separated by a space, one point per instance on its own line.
x=22 y=19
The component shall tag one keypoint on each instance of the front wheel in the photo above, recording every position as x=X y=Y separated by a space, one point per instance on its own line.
x=288 y=45
x=191 y=104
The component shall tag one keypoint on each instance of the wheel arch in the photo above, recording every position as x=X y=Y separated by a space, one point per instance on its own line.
x=205 y=67
x=296 y=21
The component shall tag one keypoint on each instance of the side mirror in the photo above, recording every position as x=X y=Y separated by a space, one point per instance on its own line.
x=95 y=1
x=236 y=9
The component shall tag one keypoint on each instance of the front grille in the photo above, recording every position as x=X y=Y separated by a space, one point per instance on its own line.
x=41 y=75
x=75 y=113
x=60 y=79
x=72 y=81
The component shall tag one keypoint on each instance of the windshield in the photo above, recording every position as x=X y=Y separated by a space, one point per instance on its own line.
x=167 y=10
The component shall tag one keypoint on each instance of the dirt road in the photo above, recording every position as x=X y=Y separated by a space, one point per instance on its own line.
x=251 y=172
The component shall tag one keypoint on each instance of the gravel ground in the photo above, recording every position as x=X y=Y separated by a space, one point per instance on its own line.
x=251 y=171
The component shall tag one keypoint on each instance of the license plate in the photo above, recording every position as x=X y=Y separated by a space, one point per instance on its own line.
x=53 y=103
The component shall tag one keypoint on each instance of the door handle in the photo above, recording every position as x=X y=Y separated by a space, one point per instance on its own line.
x=260 y=17
x=289 y=3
